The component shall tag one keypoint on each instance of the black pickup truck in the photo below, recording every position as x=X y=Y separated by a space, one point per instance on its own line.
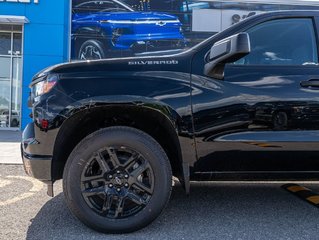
x=242 y=105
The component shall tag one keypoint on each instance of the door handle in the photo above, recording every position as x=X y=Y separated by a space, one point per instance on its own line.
x=310 y=83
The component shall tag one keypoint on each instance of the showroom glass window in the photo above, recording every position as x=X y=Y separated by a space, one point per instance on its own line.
x=10 y=75
x=282 y=42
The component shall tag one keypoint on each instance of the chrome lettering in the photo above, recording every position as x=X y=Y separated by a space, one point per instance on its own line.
x=151 y=62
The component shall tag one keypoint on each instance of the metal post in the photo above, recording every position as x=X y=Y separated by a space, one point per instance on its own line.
x=11 y=79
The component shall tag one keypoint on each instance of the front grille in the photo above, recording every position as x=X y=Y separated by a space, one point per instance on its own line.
x=156 y=45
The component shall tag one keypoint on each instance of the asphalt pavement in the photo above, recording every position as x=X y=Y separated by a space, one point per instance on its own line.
x=212 y=211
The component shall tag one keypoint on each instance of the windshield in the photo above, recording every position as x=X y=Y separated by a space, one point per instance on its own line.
x=102 y=6
x=203 y=43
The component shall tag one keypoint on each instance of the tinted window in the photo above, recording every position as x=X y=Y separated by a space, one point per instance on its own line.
x=282 y=42
x=5 y=43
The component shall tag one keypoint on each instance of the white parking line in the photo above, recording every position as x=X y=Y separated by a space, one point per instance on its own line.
x=4 y=183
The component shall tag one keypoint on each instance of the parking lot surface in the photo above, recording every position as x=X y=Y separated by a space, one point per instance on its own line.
x=212 y=211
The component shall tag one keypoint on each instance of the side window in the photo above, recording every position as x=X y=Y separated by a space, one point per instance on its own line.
x=282 y=42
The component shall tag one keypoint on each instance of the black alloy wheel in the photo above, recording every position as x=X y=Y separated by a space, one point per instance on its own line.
x=117 y=180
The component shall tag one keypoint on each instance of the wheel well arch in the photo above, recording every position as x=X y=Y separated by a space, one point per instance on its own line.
x=152 y=121
x=90 y=32
x=84 y=34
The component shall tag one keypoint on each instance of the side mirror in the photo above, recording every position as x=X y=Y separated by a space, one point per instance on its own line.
x=225 y=51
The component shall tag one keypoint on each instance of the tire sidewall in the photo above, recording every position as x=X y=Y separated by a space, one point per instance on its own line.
x=14 y=123
x=142 y=143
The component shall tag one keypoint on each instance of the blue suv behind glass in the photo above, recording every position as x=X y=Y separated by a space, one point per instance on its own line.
x=109 y=28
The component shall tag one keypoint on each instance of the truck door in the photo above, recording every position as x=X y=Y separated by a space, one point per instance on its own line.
x=263 y=117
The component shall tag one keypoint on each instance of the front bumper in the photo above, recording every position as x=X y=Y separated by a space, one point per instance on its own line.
x=157 y=45
x=35 y=165
x=148 y=42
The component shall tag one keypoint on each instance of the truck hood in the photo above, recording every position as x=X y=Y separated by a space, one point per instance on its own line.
x=128 y=16
x=180 y=62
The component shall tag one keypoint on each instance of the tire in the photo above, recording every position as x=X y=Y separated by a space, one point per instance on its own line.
x=144 y=199
x=280 y=121
x=14 y=123
x=91 y=50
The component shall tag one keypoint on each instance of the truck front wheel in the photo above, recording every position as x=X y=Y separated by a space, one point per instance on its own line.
x=91 y=50
x=117 y=180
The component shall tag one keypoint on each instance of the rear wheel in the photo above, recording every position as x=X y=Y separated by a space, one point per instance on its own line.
x=14 y=123
x=280 y=121
x=117 y=180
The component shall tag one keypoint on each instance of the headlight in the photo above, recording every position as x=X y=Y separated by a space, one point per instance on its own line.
x=44 y=85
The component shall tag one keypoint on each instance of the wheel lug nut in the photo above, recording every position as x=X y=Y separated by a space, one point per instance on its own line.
x=118 y=189
x=110 y=185
x=110 y=176
x=126 y=176
x=126 y=185
x=118 y=172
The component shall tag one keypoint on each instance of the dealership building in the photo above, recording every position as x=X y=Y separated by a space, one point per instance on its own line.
x=35 y=34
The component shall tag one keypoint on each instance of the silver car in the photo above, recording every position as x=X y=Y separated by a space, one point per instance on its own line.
x=4 y=118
